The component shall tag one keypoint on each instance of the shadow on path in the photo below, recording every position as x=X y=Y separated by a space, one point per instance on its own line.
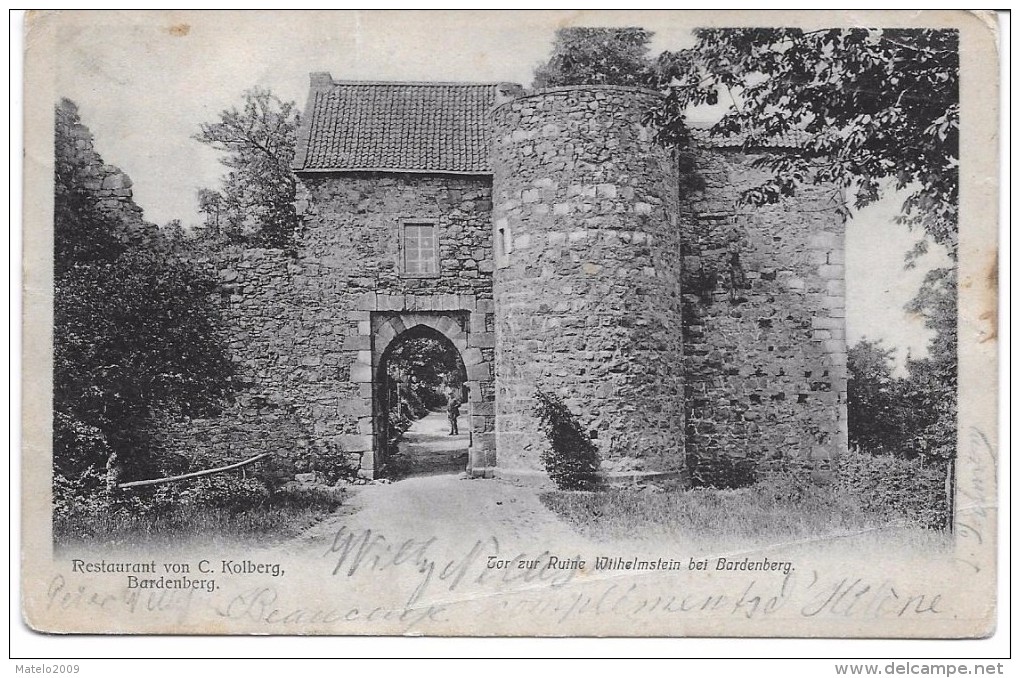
x=428 y=449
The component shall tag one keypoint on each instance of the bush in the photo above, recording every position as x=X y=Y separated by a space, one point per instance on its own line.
x=335 y=465
x=327 y=460
x=571 y=460
x=904 y=489
x=226 y=491
x=83 y=493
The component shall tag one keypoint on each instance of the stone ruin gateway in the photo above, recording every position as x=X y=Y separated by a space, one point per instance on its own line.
x=545 y=235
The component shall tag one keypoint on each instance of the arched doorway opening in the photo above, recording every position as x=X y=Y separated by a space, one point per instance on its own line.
x=421 y=404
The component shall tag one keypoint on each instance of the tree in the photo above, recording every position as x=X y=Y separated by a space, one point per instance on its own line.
x=136 y=336
x=597 y=56
x=874 y=400
x=256 y=205
x=931 y=386
x=870 y=108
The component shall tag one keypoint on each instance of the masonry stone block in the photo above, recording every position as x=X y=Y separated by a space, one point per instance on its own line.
x=361 y=373
x=357 y=342
x=472 y=356
x=391 y=302
x=479 y=371
x=367 y=301
x=354 y=443
x=831 y=271
x=482 y=340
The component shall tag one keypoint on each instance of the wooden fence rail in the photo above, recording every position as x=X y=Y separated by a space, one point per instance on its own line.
x=196 y=474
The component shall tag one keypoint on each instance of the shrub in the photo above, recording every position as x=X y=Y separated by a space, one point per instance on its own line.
x=226 y=491
x=905 y=489
x=83 y=493
x=571 y=460
x=327 y=459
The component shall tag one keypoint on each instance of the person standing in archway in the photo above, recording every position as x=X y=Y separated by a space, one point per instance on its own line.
x=452 y=408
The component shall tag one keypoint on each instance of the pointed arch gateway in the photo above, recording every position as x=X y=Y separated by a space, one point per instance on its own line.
x=412 y=378
x=390 y=330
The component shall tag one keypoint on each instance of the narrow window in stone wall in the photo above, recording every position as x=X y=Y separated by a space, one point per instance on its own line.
x=418 y=249
x=504 y=243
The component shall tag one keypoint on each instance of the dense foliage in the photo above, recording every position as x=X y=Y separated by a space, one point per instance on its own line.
x=256 y=205
x=895 y=488
x=878 y=416
x=135 y=332
x=571 y=460
x=913 y=416
x=597 y=56
x=869 y=108
x=425 y=364
x=933 y=380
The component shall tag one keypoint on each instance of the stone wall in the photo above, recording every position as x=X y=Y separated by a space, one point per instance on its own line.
x=266 y=414
x=764 y=307
x=307 y=331
x=351 y=230
x=350 y=272
x=681 y=329
x=588 y=277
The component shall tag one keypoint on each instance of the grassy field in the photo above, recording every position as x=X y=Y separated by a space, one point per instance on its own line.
x=274 y=518
x=766 y=513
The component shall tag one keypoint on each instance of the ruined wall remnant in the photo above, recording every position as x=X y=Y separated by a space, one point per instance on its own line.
x=764 y=307
x=107 y=185
x=588 y=277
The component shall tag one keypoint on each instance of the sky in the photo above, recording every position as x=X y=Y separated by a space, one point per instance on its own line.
x=145 y=81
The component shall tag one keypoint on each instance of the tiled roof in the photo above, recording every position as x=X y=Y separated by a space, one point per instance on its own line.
x=396 y=127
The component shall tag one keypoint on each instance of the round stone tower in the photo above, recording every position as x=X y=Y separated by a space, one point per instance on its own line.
x=587 y=278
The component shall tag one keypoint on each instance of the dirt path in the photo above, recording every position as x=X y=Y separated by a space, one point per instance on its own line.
x=433 y=497
x=449 y=508
x=427 y=448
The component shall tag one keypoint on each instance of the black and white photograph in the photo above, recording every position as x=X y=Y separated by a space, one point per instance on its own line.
x=511 y=324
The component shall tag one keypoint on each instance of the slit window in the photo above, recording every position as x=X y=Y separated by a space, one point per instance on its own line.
x=418 y=248
x=504 y=243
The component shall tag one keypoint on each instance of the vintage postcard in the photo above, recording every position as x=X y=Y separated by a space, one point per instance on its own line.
x=511 y=323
